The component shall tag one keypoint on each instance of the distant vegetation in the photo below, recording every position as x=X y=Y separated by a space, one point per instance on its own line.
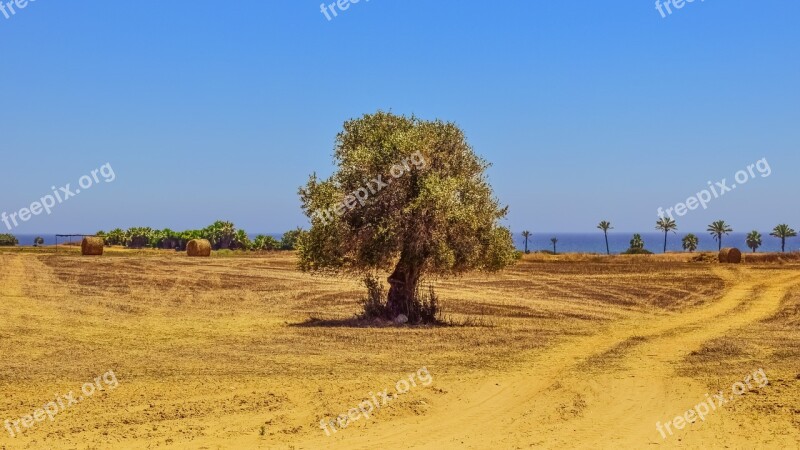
x=690 y=242
x=754 y=240
x=8 y=240
x=718 y=229
x=605 y=226
x=637 y=246
x=221 y=234
x=782 y=232
x=666 y=225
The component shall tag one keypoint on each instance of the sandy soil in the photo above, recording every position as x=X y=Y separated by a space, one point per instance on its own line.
x=245 y=352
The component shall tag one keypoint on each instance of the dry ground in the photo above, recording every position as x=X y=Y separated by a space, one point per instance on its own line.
x=246 y=352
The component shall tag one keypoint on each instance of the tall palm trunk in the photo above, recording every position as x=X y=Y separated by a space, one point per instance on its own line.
x=783 y=244
x=608 y=252
x=665 y=241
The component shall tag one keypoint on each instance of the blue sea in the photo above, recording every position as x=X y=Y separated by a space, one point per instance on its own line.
x=584 y=242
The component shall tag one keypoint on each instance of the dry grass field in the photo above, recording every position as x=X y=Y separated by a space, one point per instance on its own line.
x=247 y=352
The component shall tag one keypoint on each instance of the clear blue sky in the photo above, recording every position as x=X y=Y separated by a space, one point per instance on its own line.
x=588 y=110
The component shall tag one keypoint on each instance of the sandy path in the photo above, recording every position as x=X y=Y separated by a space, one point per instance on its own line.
x=563 y=402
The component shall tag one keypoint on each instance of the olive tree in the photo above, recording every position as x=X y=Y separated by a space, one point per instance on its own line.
x=409 y=197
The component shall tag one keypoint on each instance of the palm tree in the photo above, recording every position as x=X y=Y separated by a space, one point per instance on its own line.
x=115 y=237
x=719 y=228
x=754 y=240
x=38 y=241
x=690 y=242
x=666 y=225
x=526 y=234
x=241 y=241
x=554 y=241
x=783 y=231
x=605 y=226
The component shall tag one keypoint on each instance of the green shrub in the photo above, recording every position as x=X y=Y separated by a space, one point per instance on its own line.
x=8 y=240
x=637 y=251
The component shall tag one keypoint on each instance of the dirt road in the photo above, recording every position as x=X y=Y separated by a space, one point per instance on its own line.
x=607 y=390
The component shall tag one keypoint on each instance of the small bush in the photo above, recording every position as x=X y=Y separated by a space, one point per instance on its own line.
x=637 y=251
x=426 y=307
x=374 y=304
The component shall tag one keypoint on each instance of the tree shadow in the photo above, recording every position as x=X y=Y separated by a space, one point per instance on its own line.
x=356 y=322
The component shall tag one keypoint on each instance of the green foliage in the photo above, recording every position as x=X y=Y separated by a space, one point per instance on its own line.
x=753 y=240
x=221 y=234
x=605 y=226
x=241 y=241
x=718 y=229
x=637 y=251
x=115 y=237
x=637 y=243
x=266 y=243
x=690 y=242
x=526 y=235
x=374 y=305
x=666 y=225
x=782 y=232
x=289 y=239
x=8 y=240
x=439 y=218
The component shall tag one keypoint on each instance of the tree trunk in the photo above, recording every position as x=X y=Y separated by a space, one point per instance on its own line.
x=608 y=252
x=403 y=286
x=665 y=242
x=783 y=245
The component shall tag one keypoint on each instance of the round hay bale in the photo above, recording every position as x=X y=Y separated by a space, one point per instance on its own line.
x=730 y=255
x=92 y=246
x=198 y=247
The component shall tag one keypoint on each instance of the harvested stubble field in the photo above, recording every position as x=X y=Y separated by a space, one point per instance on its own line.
x=247 y=352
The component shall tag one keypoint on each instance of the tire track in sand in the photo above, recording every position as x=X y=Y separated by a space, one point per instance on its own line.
x=557 y=403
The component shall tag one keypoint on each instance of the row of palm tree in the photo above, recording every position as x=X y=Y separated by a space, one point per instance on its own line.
x=717 y=229
x=690 y=242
